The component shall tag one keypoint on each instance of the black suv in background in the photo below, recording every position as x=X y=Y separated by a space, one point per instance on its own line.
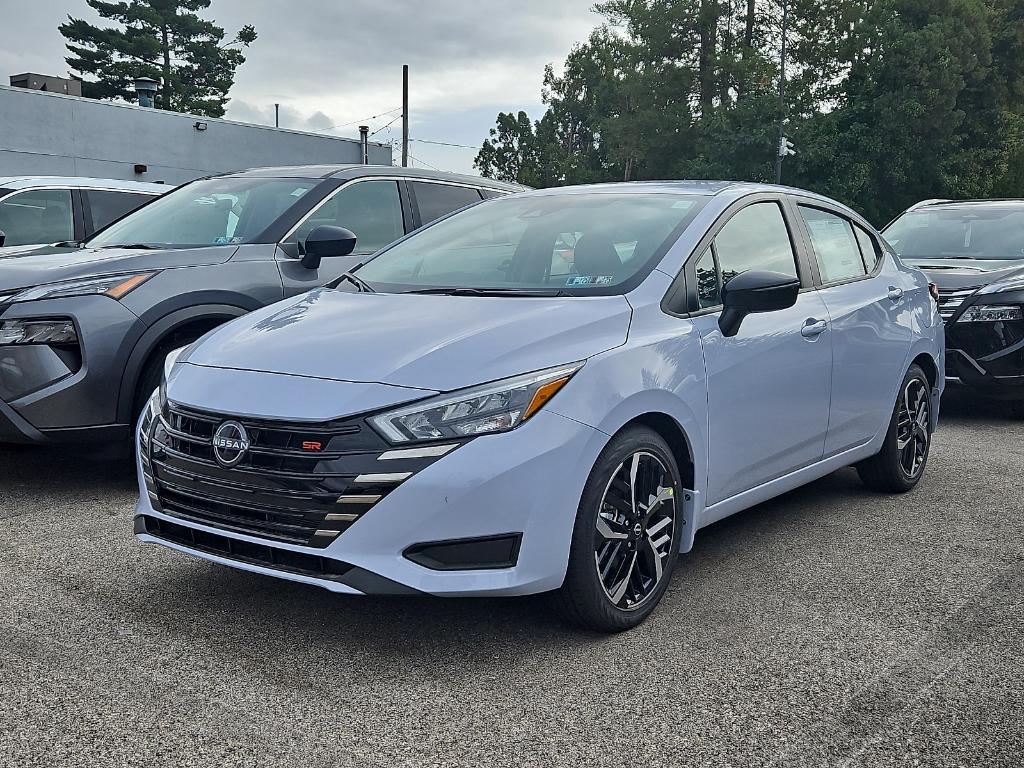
x=84 y=330
x=973 y=250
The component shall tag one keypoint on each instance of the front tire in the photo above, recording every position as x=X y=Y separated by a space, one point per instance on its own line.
x=625 y=543
x=898 y=467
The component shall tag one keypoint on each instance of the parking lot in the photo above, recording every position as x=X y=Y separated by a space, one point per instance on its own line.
x=830 y=626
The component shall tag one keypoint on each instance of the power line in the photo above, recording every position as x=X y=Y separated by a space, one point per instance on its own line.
x=421 y=162
x=444 y=143
x=385 y=127
x=363 y=120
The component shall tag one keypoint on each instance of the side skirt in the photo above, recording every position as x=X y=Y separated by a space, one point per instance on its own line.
x=781 y=485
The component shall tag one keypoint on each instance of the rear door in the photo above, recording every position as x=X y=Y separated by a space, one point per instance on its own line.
x=435 y=199
x=871 y=322
x=371 y=208
x=768 y=386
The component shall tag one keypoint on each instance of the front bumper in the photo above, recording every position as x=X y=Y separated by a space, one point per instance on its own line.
x=523 y=486
x=51 y=396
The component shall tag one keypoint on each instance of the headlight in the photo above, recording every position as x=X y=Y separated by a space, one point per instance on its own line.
x=115 y=287
x=496 y=407
x=988 y=313
x=169 y=361
x=56 y=331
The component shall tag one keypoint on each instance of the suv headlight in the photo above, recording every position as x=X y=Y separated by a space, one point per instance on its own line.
x=490 y=408
x=116 y=287
x=41 y=331
x=990 y=313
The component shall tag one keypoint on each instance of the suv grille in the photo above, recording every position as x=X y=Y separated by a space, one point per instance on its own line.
x=951 y=301
x=297 y=483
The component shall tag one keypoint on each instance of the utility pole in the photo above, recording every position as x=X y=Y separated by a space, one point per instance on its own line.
x=277 y=115
x=405 y=115
x=779 y=153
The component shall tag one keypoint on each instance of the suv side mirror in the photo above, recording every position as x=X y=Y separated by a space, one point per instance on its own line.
x=755 y=291
x=326 y=241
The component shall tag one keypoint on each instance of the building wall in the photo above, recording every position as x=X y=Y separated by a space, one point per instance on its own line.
x=52 y=134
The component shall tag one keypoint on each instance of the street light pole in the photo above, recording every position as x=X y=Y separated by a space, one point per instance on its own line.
x=782 y=94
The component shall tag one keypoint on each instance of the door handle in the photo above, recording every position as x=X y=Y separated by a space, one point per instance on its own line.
x=895 y=294
x=813 y=328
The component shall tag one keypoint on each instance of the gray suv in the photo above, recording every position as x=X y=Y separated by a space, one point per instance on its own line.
x=84 y=331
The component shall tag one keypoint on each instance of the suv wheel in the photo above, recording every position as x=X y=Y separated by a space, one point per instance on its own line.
x=898 y=467
x=625 y=543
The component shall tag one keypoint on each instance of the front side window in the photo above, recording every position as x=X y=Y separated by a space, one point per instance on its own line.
x=959 y=232
x=835 y=245
x=37 y=216
x=577 y=244
x=437 y=200
x=106 y=206
x=370 y=209
x=756 y=238
x=222 y=211
x=709 y=289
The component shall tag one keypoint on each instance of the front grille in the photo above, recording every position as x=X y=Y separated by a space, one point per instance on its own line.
x=951 y=301
x=279 y=490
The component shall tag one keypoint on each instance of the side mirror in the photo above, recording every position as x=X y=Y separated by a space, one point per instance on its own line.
x=326 y=241
x=755 y=291
x=3 y=238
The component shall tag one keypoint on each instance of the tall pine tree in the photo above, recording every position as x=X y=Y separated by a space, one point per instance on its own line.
x=165 y=40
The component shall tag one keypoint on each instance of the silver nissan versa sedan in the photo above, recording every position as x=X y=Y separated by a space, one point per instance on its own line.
x=551 y=391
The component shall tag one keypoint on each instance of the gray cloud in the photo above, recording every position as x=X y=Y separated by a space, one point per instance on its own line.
x=330 y=63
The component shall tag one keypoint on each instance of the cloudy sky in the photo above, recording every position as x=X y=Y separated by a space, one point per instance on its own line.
x=337 y=62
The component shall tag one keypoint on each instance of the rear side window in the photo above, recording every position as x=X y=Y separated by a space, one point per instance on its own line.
x=868 y=249
x=835 y=245
x=106 y=206
x=489 y=193
x=37 y=216
x=437 y=200
x=370 y=209
x=756 y=238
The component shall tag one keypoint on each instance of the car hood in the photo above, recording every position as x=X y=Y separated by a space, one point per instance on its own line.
x=428 y=342
x=954 y=274
x=42 y=266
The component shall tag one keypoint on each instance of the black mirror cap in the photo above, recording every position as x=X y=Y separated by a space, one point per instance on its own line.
x=326 y=241
x=755 y=291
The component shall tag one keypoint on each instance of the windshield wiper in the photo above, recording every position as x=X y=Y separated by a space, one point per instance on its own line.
x=358 y=282
x=455 y=291
x=69 y=244
x=133 y=246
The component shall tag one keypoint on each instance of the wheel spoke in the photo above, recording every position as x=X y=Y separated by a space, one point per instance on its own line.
x=619 y=591
x=655 y=556
x=605 y=529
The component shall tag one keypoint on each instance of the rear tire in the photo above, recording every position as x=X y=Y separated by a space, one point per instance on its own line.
x=1016 y=409
x=898 y=467
x=625 y=543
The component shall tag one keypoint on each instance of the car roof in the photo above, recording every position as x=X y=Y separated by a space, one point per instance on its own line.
x=1005 y=202
x=82 y=182
x=354 y=171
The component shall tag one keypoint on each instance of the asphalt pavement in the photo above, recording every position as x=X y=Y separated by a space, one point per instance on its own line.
x=831 y=626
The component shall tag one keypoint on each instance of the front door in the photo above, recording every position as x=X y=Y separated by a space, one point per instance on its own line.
x=769 y=385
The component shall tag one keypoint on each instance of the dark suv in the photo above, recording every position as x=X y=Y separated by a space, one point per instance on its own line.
x=84 y=331
x=973 y=250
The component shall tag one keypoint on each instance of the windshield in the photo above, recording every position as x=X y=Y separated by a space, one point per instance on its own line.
x=223 y=211
x=577 y=244
x=959 y=233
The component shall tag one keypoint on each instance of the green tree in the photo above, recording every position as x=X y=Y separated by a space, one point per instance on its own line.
x=165 y=40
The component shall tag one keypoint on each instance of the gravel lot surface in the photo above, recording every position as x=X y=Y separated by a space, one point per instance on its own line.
x=828 y=627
